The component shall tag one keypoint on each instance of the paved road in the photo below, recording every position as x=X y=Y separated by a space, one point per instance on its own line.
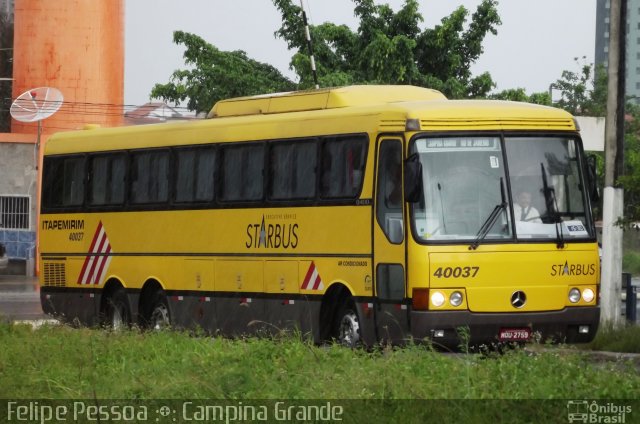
x=20 y=298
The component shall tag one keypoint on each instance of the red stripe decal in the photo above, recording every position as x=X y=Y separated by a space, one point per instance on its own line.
x=97 y=259
x=316 y=284
x=307 y=278
x=102 y=264
x=86 y=261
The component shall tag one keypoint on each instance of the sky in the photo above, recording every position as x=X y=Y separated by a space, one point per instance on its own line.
x=535 y=43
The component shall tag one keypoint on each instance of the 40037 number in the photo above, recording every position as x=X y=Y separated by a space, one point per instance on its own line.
x=76 y=236
x=456 y=272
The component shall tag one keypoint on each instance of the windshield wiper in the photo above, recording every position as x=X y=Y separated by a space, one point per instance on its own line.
x=491 y=219
x=552 y=207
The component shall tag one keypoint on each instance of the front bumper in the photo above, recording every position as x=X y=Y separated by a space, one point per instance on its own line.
x=484 y=328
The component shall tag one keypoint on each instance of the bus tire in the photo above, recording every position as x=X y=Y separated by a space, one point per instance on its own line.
x=347 y=326
x=117 y=313
x=159 y=315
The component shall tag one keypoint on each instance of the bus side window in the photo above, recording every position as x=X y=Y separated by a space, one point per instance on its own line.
x=65 y=182
x=389 y=190
x=150 y=177
x=243 y=172
x=108 y=174
x=343 y=161
x=195 y=171
x=293 y=171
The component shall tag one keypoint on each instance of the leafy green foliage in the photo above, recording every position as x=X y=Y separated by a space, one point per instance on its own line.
x=62 y=362
x=630 y=181
x=583 y=93
x=387 y=48
x=390 y=48
x=214 y=75
x=519 y=95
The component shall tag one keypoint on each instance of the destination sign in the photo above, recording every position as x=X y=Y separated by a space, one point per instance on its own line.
x=452 y=144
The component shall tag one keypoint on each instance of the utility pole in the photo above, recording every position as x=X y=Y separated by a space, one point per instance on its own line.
x=613 y=199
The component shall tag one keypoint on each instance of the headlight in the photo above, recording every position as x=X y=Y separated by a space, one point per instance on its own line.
x=588 y=295
x=437 y=299
x=574 y=295
x=456 y=298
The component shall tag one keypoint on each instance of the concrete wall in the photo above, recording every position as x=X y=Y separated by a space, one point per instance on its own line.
x=592 y=133
x=18 y=177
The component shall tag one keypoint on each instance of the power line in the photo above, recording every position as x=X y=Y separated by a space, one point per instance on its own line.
x=75 y=114
x=86 y=108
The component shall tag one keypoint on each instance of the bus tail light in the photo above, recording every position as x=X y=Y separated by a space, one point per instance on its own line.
x=420 y=299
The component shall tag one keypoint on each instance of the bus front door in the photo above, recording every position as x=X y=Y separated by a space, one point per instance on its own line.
x=389 y=245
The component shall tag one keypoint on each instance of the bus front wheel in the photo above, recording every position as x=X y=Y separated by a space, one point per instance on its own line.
x=347 y=326
x=159 y=316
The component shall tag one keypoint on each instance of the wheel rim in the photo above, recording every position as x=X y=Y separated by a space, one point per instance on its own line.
x=349 y=331
x=160 y=317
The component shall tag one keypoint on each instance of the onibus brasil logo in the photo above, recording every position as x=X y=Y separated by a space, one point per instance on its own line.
x=584 y=411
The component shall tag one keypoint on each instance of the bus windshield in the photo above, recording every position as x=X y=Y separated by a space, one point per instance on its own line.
x=466 y=189
x=546 y=184
x=463 y=179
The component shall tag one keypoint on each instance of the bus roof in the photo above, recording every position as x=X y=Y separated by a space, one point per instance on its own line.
x=330 y=98
x=356 y=109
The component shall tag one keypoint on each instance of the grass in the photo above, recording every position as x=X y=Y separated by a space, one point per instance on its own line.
x=631 y=262
x=623 y=339
x=387 y=384
x=61 y=362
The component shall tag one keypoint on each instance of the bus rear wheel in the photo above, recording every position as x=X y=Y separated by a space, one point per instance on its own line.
x=159 y=315
x=117 y=313
x=347 y=326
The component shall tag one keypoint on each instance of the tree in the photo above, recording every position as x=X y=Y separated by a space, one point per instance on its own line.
x=630 y=180
x=387 y=48
x=519 y=95
x=6 y=69
x=390 y=48
x=216 y=75
x=583 y=93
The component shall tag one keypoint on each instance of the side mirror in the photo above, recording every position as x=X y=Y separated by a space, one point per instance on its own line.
x=592 y=178
x=412 y=179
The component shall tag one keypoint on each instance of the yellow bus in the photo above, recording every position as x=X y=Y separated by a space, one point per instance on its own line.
x=359 y=214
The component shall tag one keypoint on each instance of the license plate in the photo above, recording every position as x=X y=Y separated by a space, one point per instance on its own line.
x=514 y=334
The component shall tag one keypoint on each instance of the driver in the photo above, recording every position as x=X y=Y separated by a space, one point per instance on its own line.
x=524 y=211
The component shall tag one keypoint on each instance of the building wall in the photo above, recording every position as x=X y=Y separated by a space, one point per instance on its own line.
x=18 y=178
x=602 y=32
x=633 y=42
x=76 y=46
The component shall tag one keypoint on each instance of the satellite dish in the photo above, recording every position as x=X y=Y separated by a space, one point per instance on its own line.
x=36 y=104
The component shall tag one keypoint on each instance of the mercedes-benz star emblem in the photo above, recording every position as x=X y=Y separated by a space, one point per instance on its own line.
x=518 y=299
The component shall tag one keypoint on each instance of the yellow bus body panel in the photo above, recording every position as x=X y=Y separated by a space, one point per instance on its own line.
x=223 y=249
x=493 y=273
